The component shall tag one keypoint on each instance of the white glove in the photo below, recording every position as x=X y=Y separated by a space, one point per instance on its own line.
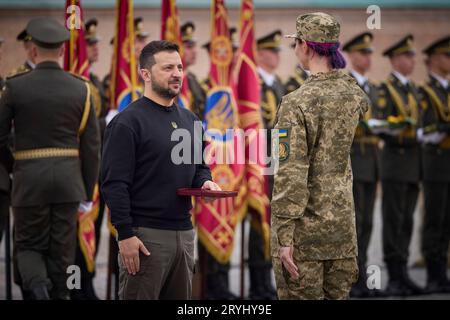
x=111 y=114
x=433 y=138
x=378 y=126
x=85 y=206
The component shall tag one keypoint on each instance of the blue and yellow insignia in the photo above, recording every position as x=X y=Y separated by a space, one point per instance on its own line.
x=220 y=114
x=174 y=124
x=283 y=151
x=283 y=144
x=283 y=133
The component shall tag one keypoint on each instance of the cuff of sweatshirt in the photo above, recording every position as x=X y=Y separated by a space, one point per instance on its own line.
x=124 y=231
x=200 y=182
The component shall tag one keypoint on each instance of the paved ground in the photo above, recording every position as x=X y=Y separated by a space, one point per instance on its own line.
x=375 y=258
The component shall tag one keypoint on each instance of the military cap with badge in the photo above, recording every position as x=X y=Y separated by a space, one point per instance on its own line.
x=271 y=41
x=361 y=42
x=91 y=31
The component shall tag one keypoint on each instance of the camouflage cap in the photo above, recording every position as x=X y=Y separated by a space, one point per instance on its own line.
x=317 y=27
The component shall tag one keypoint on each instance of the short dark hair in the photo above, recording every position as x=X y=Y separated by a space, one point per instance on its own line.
x=147 y=57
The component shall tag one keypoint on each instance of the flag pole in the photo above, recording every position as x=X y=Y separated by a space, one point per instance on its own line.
x=242 y=258
x=8 y=257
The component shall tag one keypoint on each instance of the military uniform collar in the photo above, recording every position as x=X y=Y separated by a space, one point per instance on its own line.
x=267 y=77
x=30 y=64
x=403 y=80
x=440 y=80
x=48 y=65
x=334 y=74
x=362 y=80
x=302 y=72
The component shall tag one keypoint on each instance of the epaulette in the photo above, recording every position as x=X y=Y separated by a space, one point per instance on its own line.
x=17 y=72
x=80 y=77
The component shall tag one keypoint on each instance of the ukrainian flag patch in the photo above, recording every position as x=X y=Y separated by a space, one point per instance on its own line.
x=282 y=133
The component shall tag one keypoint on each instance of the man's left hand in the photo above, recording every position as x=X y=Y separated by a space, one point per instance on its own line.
x=210 y=185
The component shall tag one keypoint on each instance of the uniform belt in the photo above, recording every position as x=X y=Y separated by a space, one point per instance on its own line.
x=367 y=140
x=45 y=153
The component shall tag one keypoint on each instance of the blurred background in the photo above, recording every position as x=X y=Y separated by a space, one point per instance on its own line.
x=427 y=20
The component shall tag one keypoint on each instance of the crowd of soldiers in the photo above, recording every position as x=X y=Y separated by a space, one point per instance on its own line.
x=400 y=158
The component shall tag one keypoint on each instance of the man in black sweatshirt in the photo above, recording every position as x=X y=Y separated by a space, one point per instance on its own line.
x=141 y=173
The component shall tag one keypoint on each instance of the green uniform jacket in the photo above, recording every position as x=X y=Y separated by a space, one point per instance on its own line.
x=436 y=117
x=198 y=96
x=400 y=156
x=47 y=106
x=100 y=102
x=312 y=205
x=364 y=154
x=270 y=99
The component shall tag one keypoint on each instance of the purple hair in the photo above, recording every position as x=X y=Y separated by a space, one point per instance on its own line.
x=331 y=50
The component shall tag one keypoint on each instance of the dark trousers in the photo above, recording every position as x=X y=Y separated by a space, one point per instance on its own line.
x=436 y=224
x=256 y=258
x=398 y=204
x=45 y=239
x=4 y=211
x=166 y=273
x=364 y=194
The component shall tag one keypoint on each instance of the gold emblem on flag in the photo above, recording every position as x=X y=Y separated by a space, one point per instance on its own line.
x=221 y=51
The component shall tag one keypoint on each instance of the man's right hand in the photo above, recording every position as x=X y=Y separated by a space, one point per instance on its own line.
x=129 y=251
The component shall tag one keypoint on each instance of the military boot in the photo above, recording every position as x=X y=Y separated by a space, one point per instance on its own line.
x=40 y=292
x=269 y=289
x=411 y=289
x=394 y=287
x=225 y=293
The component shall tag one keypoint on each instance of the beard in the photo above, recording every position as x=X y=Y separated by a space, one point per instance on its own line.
x=165 y=92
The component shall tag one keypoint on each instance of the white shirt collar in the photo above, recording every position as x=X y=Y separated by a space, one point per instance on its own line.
x=362 y=80
x=404 y=80
x=268 y=78
x=442 y=81
x=31 y=64
x=304 y=70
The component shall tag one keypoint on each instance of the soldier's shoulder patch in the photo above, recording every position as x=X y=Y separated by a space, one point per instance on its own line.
x=283 y=143
x=283 y=133
x=283 y=151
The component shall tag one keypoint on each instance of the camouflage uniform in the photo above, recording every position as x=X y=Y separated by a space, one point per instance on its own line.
x=312 y=205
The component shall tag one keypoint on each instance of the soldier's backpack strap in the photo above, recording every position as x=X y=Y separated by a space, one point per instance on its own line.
x=87 y=108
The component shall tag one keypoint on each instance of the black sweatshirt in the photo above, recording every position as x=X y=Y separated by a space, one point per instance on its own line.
x=139 y=179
